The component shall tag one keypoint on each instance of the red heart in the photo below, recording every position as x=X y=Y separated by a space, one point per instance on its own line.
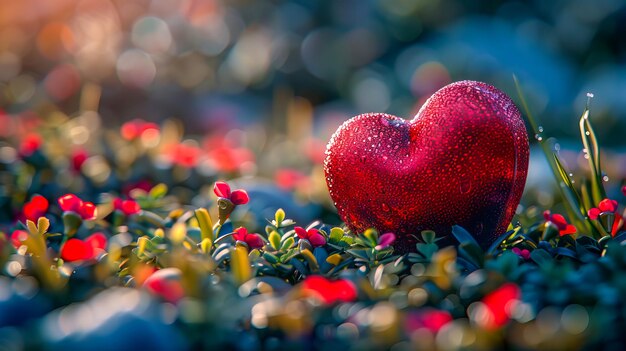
x=462 y=160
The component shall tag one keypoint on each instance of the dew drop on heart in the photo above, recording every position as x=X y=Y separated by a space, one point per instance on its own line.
x=465 y=185
x=385 y=207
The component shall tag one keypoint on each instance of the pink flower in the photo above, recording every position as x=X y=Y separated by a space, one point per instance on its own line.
x=329 y=291
x=385 y=240
x=127 y=207
x=624 y=190
x=72 y=203
x=81 y=250
x=429 y=318
x=35 y=208
x=237 y=197
x=560 y=222
x=253 y=240
x=312 y=235
x=523 y=253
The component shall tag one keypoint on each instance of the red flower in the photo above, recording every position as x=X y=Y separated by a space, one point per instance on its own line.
x=138 y=128
x=35 y=208
x=226 y=155
x=624 y=190
x=30 y=144
x=17 y=237
x=253 y=240
x=79 y=157
x=183 y=154
x=80 y=250
x=430 y=318
x=560 y=222
x=523 y=253
x=70 y=202
x=237 y=197
x=312 y=235
x=127 y=207
x=289 y=179
x=329 y=291
x=607 y=206
x=498 y=305
x=385 y=240
x=166 y=284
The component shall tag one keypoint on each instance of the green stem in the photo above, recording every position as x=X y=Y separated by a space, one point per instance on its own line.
x=568 y=193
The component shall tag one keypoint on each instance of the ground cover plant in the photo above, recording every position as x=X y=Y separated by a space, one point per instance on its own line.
x=133 y=242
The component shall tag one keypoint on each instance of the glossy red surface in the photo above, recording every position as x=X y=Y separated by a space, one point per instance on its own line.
x=462 y=160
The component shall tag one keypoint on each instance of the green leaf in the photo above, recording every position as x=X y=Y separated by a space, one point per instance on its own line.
x=158 y=191
x=371 y=237
x=271 y=258
x=274 y=239
x=336 y=234
x=287 y=244
x=590 y=143
x=310 y=258
x=205 y=223
x=240 y=264
x=279 y=216
x=541 y=257
x=428 y=236
x=463 y=236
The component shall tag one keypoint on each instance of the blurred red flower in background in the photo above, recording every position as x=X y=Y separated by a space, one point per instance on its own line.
x=80 y=250
x=329 y=291
x=428 y=318
x=498 y=306
x=127 y=207
x=138 y=128
x=30 y=144
x=35 y=208
x=72 y=203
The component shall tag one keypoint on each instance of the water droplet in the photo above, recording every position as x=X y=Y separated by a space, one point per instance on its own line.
x=557 y=147
x=586 y=156
x=538 y=137
x=385 y=158
x=587 y=133
x=571 y=174
x=385 y=207
x=540 y=129
x=590 y=95
x=395 y=147
x=605 y=178
x=465 y=186
x=369 y=138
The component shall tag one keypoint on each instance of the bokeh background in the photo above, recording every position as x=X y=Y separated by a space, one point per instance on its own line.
x=254 y=89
